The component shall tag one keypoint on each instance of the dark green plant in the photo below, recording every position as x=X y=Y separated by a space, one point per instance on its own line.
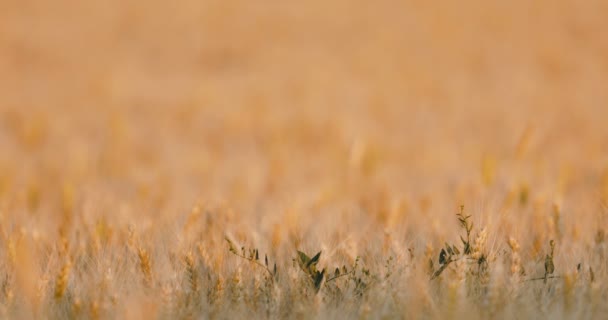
x=451 y=253
x=309 y=266
x=253 y=256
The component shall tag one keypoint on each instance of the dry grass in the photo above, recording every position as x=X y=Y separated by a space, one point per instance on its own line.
x=136 y=137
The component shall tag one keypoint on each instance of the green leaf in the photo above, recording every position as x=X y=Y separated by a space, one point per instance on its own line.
x=318 y=279
x=314 y=260
x=442 y=257
x=303 y=258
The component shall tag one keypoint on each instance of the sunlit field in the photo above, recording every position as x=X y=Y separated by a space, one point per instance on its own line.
x=303 y=159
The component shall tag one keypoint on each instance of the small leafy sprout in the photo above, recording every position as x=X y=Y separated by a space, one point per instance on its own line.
x=468 y=226
x=344 y=272
x=451 y=253
x=309 y=266
x=446 y=256
x=253 y=257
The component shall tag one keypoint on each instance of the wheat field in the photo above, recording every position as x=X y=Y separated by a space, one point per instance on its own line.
x=303 y=159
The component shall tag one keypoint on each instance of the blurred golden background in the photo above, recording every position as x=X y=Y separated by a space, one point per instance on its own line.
x=257 y=100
